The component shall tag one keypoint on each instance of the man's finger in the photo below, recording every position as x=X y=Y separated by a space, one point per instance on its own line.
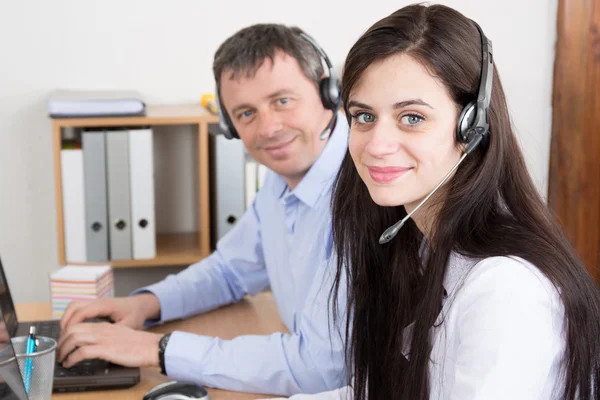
x=83 y=353
x=128 y=322
x=90 y=310
x=71 y=308
x=71 y=341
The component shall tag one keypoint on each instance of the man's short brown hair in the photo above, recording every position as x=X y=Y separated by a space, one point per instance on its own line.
x=246 y=50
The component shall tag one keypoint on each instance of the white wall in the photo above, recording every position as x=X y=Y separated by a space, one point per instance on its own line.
x=164 y=50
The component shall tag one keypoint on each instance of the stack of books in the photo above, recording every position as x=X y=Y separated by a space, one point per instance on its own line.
x=74 y=282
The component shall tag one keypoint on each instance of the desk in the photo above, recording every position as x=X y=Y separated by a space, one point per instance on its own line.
x=256 y=315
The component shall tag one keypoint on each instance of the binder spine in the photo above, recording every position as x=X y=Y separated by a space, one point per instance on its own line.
x=117 y=156
x=142 y=193
x=94 y=167
x=73 y=205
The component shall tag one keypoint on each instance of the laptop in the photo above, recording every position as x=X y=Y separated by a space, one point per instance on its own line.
x=11 y=381
x=86 y=375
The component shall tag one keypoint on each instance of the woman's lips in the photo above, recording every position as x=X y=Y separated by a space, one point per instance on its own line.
x=386 y=174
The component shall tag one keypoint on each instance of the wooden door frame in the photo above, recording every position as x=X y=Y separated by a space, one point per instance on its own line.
x=574 y=176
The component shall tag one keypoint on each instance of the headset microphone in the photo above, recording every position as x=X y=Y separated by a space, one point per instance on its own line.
x=392 y=231
x=329 y=127
x=472 y=127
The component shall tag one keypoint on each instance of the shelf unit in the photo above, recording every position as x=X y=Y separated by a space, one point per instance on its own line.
x=174 y=248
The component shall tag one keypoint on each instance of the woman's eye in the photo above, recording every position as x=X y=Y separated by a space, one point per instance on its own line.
x=412 y=119
x=364 y=118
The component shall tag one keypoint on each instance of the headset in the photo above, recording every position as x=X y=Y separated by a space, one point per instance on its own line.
x=472 y=128
x=329 y=91
x=474 y=117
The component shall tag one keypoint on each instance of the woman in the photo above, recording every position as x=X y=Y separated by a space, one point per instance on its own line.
x=480 y=295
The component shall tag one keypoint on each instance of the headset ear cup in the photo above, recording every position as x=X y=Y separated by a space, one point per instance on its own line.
x=224 y=122
x=230 y=128
x=335 y=89
x=465 y=121
x=224 y=127
x=326 y=99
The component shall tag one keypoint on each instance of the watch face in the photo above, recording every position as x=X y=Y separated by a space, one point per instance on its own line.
x=163 y=341
x=162 y=345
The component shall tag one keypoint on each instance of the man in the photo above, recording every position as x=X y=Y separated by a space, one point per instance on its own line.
x=268 y=78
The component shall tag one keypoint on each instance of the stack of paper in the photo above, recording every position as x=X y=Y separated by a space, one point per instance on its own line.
x=79 y=283
x=84 y=103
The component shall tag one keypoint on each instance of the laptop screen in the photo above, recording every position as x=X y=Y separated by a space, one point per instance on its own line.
x=7 y=307
x=11 y=382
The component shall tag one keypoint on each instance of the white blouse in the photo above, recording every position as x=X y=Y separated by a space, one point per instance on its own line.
x=499 y=335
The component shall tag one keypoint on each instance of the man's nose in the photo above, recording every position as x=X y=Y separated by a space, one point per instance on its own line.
x=269 y=123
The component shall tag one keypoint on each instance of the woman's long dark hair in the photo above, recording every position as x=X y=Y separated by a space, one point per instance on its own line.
x=490 y=208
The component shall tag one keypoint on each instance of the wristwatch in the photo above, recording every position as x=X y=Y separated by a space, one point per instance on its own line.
x=162 y=346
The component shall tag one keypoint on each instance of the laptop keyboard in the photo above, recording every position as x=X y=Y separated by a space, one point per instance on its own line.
x=83 y=368
x=51 y=329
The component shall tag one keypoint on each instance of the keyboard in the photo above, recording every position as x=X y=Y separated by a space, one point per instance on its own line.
x=83 y=368
x=51 y=329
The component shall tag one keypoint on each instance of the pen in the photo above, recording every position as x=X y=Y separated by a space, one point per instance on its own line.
x=29 y=348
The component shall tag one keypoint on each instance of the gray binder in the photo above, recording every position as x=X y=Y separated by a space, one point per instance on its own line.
x=119 y=212
x=227 y=183
x=94 y=178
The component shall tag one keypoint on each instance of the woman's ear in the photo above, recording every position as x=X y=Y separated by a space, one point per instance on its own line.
x=462 y=146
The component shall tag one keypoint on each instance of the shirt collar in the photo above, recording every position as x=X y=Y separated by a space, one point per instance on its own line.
x=457 y=268
x=320 y=176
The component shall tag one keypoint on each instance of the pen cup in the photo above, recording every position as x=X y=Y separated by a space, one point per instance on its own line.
x=41 y=365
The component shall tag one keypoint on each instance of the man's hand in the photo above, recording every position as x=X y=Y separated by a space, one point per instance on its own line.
x=114 y=343
x=127 y=311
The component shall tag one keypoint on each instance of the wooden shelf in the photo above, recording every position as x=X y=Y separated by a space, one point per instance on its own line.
x=155 y=115
x=171 y=249
x=178 y=249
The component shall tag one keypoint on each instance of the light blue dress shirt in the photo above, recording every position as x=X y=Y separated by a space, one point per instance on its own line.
x=283 y=240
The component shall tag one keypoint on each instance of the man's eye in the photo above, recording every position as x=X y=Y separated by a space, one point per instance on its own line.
x=245 y=114
x=283 y=100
